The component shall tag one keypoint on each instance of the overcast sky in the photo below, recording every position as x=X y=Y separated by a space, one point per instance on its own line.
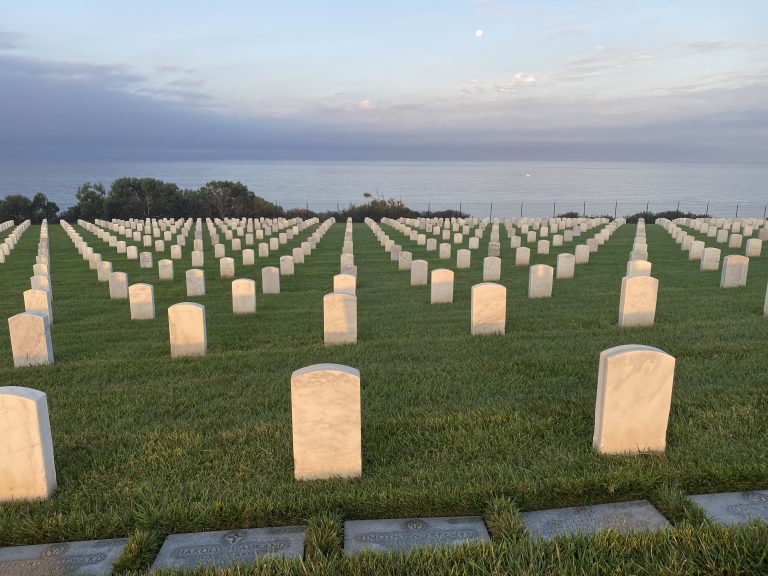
x=474 y=79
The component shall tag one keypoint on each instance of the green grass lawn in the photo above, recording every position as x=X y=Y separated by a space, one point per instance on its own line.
x=453 y=424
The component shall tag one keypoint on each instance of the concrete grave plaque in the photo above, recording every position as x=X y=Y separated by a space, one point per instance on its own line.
x=30 y=339
x=118 y=286
x=103 y=270
x=340 y=318
x=145 y=260
x=696 y=251
x=94 y=557
x=229 y=547
x=41 y=283
x=754 y=247
x=488 y=308
x=346 y=260
x=404 y=261
x=270 y=280
x=227 y=267
x=731 y=508
x=637 y=305
x=710 y=260
x=582 y=254
x=734 y=271
x=639 y=268
x=195 y=282
x=463 y=258
x=142 y=301
x=286 y=266
x=522 y=256
x=326 y=422
x=243 y=296
x=38 y=301
x=344 y=283
x=27 y=469
x=634 y=396
x=165 y=269
x=636 y=516
x=491 y=269
x=566 y=266
x=419 y=272
x=186 y=325
x=406 y=534
x=442 y=286
x=540 y=281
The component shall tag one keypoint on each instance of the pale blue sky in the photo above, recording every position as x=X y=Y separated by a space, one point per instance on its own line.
x=294 y=75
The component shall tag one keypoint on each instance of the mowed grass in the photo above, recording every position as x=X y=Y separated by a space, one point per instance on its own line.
x=147 y=446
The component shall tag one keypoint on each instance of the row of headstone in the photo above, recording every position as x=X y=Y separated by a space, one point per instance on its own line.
x=103 y=230
x=631 y=414
x=12 y=239
x=340 y=306
x=522 y=254
x=186 y=320
x=634 y=394
x=30 y=331
x=535 y=231
x=708 y=257
x=442 y=280
x=141 y=296
x=735 y=267
x=730 y=232
x=237 y=231
x=39 y=298
x=545 y=234
x=639 y=291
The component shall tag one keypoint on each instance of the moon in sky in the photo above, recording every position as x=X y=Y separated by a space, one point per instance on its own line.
x=478 y=33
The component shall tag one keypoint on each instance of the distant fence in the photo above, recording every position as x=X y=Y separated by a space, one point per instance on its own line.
x=539 y=209
x=542 y=209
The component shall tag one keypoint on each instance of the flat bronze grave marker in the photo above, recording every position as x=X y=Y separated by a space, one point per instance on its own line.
x=406 y=534
x=636 y=516
x=229 y=547
x=731 y=508
x=92 y=557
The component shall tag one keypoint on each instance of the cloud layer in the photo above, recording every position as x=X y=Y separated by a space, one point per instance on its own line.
x=69 y=109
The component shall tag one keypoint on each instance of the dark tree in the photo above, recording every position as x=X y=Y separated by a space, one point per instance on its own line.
x=16 y=207
x=142 y=198
x=42 y=209
x=91 y=203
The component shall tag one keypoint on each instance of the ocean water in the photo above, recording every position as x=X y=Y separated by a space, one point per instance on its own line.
x=480 y=188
